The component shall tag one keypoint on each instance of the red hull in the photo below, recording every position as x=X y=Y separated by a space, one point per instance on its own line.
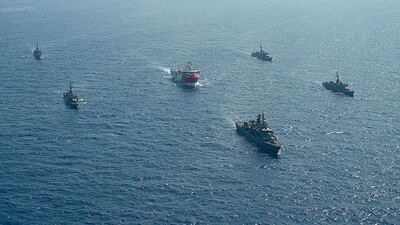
x=194 y=78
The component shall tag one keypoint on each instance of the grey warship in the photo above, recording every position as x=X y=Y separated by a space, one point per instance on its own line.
x=260 y=134
x=263 y=55
x=37 y=53
x=338 y=86
x=70 y=98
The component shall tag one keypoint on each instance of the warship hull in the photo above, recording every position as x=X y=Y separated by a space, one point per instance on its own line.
x=261 y=57
x=70 y=102
x=37 y=55
x=264 y=146
x=333 y=88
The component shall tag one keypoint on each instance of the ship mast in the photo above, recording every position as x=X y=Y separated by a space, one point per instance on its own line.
x=264 y=123
x=337 y=77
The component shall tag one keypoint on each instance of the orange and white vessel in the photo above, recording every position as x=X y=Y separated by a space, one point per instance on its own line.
x=187 y=77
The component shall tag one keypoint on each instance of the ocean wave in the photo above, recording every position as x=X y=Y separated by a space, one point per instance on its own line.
x=14 y=9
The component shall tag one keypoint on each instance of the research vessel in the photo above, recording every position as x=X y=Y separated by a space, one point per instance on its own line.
x=187 y=77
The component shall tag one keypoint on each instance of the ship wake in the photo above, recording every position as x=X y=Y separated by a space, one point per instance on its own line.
x=202 y=83
x=167 y=72
x=165 y=69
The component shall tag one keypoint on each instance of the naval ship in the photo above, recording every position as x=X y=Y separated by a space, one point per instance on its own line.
x=260 y=134
x=186 y=77
x=263 y=55
x=338 y=86
x=37 y=53
x=70 y=98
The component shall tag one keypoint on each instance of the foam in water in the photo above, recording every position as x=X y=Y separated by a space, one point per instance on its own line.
x=202 y=83
x=165 y=69
x=335 y=132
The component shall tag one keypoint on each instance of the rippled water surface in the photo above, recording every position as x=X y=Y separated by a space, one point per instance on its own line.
x=142 y=150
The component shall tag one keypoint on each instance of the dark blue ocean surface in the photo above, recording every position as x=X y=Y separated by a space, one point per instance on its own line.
x=142 y=150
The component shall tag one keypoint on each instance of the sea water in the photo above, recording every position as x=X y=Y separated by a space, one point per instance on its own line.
x=143 y=150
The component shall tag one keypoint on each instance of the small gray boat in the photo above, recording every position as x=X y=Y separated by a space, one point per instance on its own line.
x=70 y=98
x=263 y=55
x=338 y=86
x=37 y=53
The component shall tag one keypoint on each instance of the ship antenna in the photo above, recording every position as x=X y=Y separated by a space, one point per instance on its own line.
x=264 y=124
x=189 y=65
